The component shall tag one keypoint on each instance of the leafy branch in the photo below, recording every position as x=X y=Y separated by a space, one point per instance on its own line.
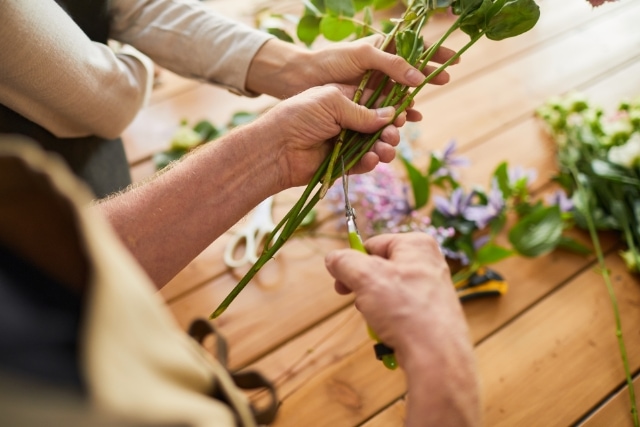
x=495 y=19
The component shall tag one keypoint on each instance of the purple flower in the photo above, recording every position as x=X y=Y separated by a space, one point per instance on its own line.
x=559 y=198
x=518 y=173
x=457 y=205
x=483 y=214
x=449 y=161
x=379 y=197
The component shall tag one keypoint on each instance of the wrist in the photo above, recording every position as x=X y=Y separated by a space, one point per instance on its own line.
x=442 y=382
x=279 y=69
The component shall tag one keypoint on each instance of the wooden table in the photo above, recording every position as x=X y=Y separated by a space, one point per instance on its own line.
x=546 y=351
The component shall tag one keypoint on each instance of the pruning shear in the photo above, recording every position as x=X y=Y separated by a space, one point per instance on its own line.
x=382 y=351
x=254 y=235
x=481 y=283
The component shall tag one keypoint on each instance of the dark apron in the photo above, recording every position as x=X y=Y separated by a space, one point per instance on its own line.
x=100 y=162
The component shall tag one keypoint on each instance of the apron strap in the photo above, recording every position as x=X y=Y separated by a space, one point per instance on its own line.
x=248 y=380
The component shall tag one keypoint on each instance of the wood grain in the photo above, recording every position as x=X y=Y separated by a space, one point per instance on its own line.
x=546 y=350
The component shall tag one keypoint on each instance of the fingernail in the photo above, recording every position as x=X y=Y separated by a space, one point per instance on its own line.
x=415 y=77
x=386 y=112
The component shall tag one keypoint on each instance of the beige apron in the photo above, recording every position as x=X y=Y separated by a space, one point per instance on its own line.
x=137 y=363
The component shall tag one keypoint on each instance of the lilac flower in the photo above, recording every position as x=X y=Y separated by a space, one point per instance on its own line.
x=450 y=160
x=455 y=206
x=483 y=214
x=455 y=255
x=560 y=199
x=518 y=173
x=380 y=198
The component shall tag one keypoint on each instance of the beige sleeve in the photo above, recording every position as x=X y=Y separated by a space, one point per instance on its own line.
x=52 y=74
x=188 y=38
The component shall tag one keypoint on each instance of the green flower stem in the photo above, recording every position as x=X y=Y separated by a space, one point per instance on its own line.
x=357 y=96
x=352 y=152
x=612 y=296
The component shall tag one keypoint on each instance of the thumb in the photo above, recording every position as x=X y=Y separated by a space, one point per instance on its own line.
x=362 y=119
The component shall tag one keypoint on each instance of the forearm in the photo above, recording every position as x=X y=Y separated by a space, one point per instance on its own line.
x=442 y=384
x=169 y=220
x=280 y=69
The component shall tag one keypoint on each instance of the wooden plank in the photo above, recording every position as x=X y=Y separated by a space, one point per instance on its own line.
x=615 y=412
x=392 y=416
x=479 y=107
x=209 y=263
x=290 y=294
x=152 y=129
x=525 y=145
x=572 y=333
x=342 y=395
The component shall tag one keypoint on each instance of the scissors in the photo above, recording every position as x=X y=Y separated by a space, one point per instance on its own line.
x=382 y=351
x=253 y=235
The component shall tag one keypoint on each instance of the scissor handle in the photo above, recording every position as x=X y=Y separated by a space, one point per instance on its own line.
x=258 y=228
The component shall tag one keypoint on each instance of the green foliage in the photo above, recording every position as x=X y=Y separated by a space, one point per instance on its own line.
x=419 y=184
x=336 y=28
x=186 y=138
x=600 y=154
x=337 y=20
x=537 y=233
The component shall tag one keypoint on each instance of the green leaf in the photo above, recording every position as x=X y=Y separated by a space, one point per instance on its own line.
x=613 y=172
x=340 y=7
x=466 y=6
x=314 y=7
x=419 y=184
x=383 y=4
x=185 y=138
x=501 y=174
x=308 y=29
x=361 y=4
x=435 y=164
x=242 y=118
x=162 y=159
x=491 y=253
x=571 y=244
x=514 y=18
x=538 y=233
x=334 y=28
x=409 y=45
x=206 y=130
x=280 y=34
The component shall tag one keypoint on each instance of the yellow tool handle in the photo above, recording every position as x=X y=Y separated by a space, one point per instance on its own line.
x=355 y=242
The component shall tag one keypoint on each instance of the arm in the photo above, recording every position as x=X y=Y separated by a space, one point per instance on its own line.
x=189 y=39
x=405 y=293
x=283 y=69
x=52 y=74
x=171 y=219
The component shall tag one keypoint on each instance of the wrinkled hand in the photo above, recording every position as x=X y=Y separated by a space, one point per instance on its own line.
x=299 y=129
x=347 y=62
x=403 y=288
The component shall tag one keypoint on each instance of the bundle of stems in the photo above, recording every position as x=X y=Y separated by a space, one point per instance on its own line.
x=496 y=19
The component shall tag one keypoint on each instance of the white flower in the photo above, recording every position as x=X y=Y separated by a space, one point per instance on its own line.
x=628 y=154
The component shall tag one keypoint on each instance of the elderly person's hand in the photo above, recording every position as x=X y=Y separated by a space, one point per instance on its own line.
x=282 y=69
x=403 y=288
x=297 y=130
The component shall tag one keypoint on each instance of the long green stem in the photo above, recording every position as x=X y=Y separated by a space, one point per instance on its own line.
x=356 y=98
x=612 y=296
x=352 y=152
